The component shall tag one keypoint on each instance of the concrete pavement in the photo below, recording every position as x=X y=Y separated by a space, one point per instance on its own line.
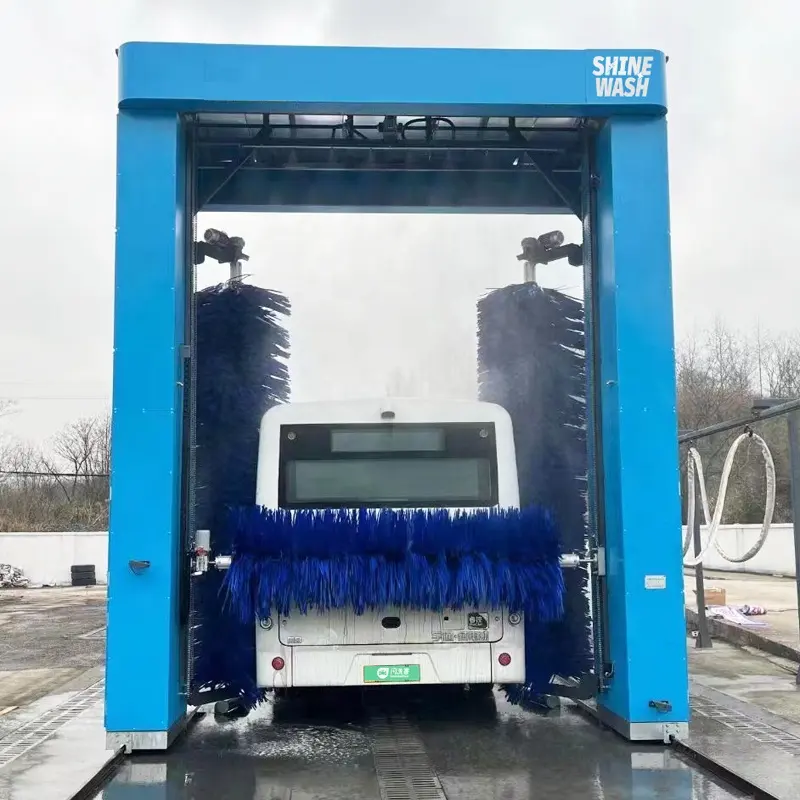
x=746 y=713
x=50 y=637
x=777 y=594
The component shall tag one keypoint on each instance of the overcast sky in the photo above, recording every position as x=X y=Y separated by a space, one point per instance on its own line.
x=734 y=166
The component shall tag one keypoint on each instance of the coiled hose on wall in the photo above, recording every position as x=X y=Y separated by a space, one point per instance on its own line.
x=694 y=470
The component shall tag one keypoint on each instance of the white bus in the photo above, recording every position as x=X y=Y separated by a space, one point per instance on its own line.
x=388 y=454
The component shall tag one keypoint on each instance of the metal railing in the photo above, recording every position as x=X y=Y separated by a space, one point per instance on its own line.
x=763 y=409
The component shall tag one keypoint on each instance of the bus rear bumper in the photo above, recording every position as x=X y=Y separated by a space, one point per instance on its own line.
x=284 y=666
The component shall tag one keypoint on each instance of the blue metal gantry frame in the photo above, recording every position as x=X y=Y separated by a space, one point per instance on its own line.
x=535 y=132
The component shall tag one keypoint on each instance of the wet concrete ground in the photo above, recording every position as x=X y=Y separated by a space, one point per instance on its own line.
x=50 y=637
x=55 y=746
x=348 y=747
x=476 y=748
x=748 y=675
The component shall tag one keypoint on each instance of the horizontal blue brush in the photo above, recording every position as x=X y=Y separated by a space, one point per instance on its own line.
x=365 y=559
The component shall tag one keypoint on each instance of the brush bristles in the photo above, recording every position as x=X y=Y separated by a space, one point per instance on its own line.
x=531 y=354
x=241 y=372
x=422 y=560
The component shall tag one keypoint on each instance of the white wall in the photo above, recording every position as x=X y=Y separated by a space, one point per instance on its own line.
x=776 y=557
x=46 y=558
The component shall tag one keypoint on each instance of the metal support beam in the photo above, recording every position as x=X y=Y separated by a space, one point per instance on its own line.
x=771 y=409
x=320 y=190
x=545 y=143
x=145 y=555
x=639 y=428
x=767 y=407
x=569 y=195
x=794 y=468
x=243 y=158
x=703 y=636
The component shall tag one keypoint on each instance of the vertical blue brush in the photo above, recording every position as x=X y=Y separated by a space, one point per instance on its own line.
x=241 y=350
x=531 y=360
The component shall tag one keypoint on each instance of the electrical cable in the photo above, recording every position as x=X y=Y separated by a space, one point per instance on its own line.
x=413 y=124
x=695 y=469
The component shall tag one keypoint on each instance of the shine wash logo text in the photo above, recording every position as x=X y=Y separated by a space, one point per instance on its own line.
x=622 y=76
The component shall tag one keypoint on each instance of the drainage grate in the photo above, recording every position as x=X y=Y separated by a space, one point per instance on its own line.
x=742 y=723
x=38 y=730
x=401 y=763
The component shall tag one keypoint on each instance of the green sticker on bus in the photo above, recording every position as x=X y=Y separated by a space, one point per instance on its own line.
x=401 y=673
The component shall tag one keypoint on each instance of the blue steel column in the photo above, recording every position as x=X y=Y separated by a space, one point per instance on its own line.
x=143 y=684
x=647 y=634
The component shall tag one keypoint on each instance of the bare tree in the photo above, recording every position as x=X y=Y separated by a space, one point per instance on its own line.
x=66 y=489
x=715 y=377
x=101 y=464
x=719 y=375
x=781 y=366
x=80 y=461
x=27 y=497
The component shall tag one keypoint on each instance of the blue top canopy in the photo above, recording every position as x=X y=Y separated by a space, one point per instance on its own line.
x=368 y=80
x=341 y=128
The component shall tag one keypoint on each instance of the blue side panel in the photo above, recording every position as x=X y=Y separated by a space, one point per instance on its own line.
x=201 y=77
x=143 y=691
x=647 y=634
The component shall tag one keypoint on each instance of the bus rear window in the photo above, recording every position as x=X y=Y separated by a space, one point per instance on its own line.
x=402 y=481
x=390 y=466
x=389 y=438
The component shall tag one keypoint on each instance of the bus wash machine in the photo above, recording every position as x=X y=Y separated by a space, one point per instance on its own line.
x=218 y=525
